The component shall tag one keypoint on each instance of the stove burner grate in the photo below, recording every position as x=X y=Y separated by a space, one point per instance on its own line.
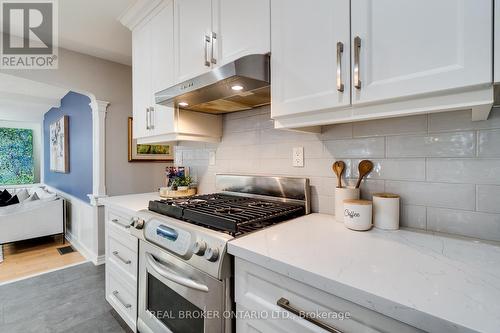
x=231 y=214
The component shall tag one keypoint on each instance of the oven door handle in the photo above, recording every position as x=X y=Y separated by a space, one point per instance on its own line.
x=172 y=276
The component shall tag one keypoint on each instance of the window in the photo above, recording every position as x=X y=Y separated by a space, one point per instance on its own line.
x=16 y=156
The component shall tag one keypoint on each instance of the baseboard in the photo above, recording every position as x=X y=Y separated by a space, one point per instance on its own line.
x=100 y=260
x=84 y=251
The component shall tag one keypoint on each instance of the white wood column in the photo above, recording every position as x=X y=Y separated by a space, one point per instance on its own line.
x=99 y=110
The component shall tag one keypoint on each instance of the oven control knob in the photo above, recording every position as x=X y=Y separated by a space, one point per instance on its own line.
x=212 y=254
x=199 y=248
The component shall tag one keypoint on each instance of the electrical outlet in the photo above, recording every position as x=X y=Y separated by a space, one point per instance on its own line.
x=298 y=157
x=211 y=158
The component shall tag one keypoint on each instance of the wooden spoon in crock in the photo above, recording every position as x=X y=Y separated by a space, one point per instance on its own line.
x=339 y=167
x=364 y=168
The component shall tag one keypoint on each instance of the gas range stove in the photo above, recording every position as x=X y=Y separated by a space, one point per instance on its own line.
x=235 y=215
x=183 y=259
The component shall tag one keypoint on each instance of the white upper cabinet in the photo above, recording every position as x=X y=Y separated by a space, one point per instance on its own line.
x=193 y=28
x=209 y=34
x=162 y=66
x=141 y=79
x=497 y=40
x=405 y=47
x=241 y=28
x=310 y=62
x=154 y=69
x=406 y=57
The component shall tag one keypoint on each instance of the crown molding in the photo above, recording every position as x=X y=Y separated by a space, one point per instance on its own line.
x=134 y=14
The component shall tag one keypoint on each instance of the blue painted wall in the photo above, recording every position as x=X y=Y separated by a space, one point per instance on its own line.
x=78 y=182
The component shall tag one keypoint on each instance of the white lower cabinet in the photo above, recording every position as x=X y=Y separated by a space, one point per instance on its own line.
x=258 y=291
x=121 y=266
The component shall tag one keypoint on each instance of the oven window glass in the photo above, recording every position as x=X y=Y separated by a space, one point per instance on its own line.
x=173 y=310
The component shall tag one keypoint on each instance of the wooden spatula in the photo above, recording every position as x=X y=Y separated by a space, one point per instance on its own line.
x=339 y=167
x=364 y=168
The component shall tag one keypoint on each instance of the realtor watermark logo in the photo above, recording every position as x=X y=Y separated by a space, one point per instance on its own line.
x=29 y=34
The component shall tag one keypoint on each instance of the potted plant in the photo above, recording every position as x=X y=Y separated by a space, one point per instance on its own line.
x=182 y=183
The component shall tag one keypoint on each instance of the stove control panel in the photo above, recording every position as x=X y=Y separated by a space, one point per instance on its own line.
x=168 y=237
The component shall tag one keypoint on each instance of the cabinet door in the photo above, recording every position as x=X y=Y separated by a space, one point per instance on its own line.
x=242 y=27
x=162 y=65
x=304 y=61
x=497 y=41
x=412 y=47
x=141 y=78
x=193 y=21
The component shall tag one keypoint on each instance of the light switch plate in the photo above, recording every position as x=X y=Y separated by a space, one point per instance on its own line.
x=298 y=157
x=211 y=158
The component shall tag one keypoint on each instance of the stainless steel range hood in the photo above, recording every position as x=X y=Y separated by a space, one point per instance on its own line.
x=240 y=85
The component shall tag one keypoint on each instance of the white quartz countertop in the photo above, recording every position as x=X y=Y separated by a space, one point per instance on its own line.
x=130 y=202
x=434 y=283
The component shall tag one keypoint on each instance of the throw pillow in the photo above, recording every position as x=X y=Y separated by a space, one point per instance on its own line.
x=22 y=195
x=33 y=197
x=12 y=201
x=5 y=196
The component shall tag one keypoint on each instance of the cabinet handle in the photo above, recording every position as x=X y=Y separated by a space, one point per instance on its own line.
x=147 y=119
x=214 y=39
x=357 y=50
x=340 y=51
x=285 y=304
x=126 y=305
x=126 y=226
x=125 y=261
x=207 y=40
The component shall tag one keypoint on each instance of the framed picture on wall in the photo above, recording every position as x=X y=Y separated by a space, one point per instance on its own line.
x=147 y=152
x=59 y=145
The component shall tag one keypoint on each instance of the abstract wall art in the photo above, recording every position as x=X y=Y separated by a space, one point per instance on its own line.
x=59 y=145
x=16 y=156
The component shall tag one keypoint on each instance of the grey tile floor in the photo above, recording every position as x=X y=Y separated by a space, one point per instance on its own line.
x=68 y=300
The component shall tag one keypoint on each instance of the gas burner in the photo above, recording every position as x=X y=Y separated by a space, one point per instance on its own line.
x=193 y=201
x=229 y=210
x=261 y=204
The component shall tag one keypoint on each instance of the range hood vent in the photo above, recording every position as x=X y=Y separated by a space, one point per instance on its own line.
x=240 y=85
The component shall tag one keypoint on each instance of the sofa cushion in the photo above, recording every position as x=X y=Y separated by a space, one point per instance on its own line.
x=12 y=201
x=22 y=195
x=5 y=196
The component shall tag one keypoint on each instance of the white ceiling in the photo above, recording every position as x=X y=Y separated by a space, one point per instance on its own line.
x=92 y=27
x=26 y=100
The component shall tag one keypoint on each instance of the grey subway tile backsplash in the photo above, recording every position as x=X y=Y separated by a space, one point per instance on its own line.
x=488 y=198
x=489 y=143
x=445 y=167
x=458 y=144
x=391 y=126
x=464 y=223
x=414 y=217
x=354 y=148
x=470 y=171
x=458 y=196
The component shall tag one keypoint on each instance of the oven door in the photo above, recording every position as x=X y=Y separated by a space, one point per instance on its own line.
x=175 y=297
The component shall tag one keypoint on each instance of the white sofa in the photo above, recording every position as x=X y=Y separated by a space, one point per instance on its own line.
x=26 y=220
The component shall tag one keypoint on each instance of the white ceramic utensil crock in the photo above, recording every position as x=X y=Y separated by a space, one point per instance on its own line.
x=342 y=194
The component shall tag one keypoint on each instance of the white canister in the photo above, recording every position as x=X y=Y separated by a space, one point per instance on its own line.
x=358 y=214
x=386 y=211
x=341 y=194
